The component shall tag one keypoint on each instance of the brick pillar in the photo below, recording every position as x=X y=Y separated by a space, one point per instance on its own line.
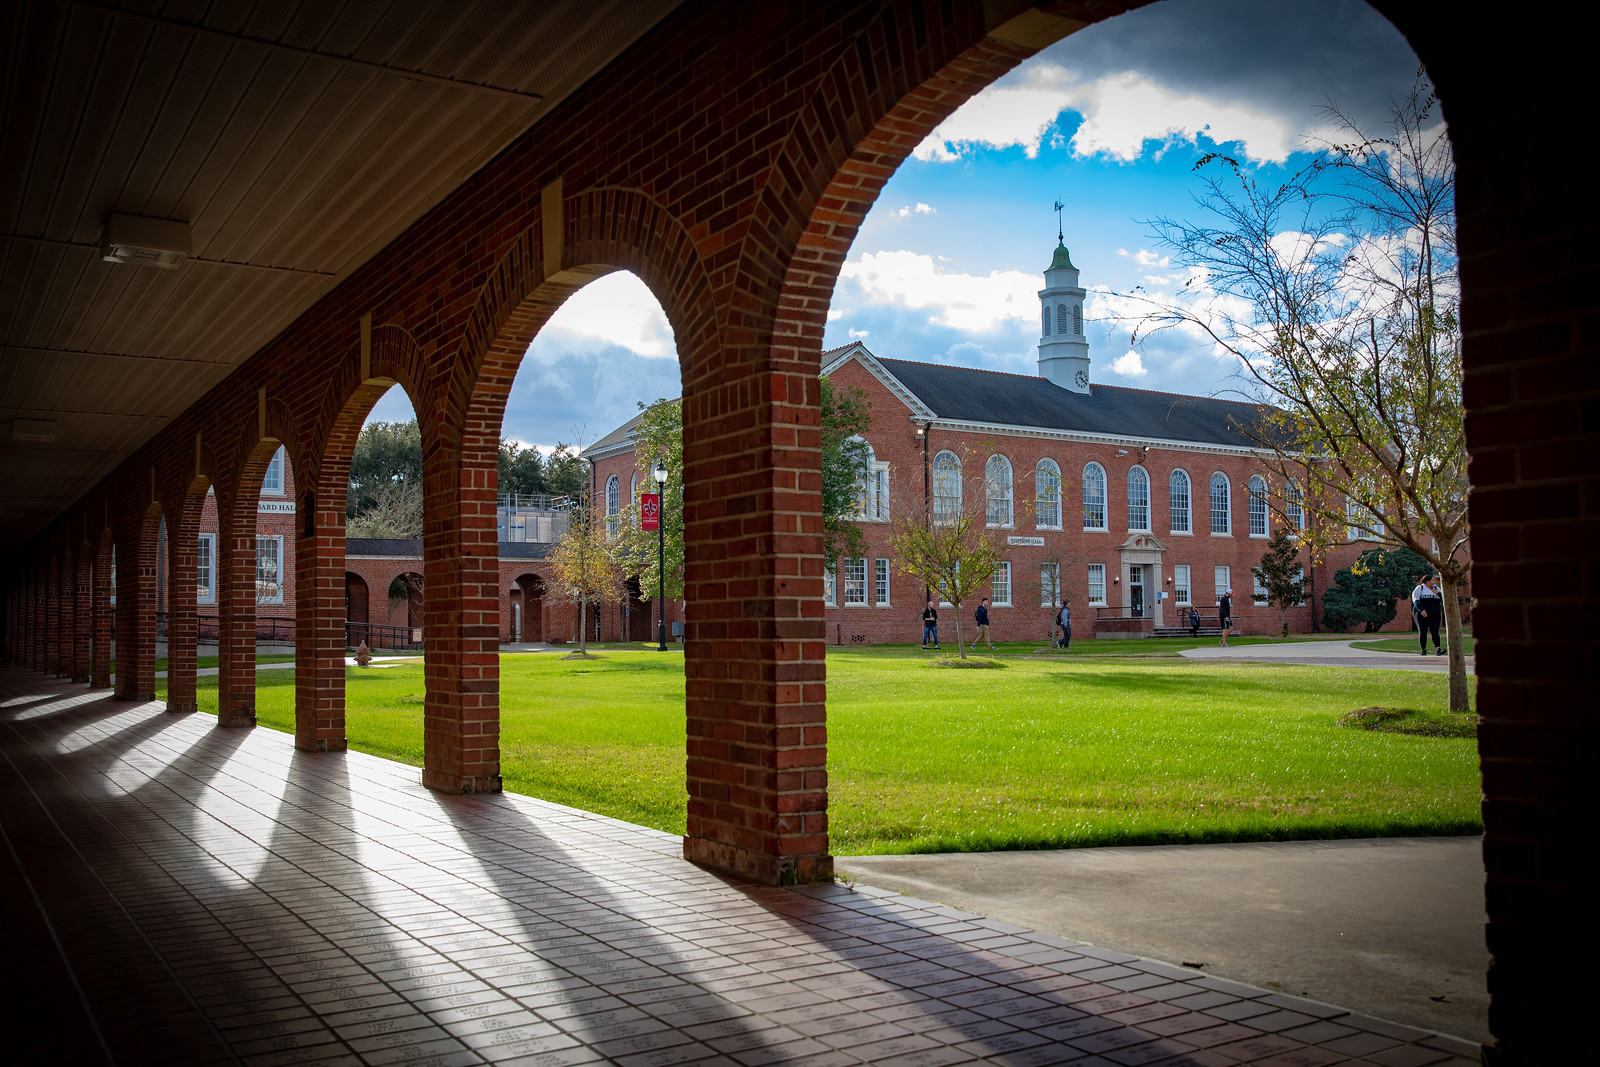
x=236 y=615
x=183 y=552
x=136 y=612
x=82 y=614
x=52 y=616
x=36 y=619
x=754 y=643
x=100 y=648
x=319 y=624
x=65 y=601
x=461 y=623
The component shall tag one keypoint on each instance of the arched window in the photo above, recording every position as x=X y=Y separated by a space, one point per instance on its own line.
x=1061 y=318
x=1138 y=499
x=872 y=488
x=1178 y=501
x=1258 y=506
x=997 y=491
x=1221 y=504
x=946 y=487
x=613 y=506
x=1094 y=497
x=633 y=489
x=1046 y=318
x=1294 y=506
x=1077 y=320
x=1047 y=494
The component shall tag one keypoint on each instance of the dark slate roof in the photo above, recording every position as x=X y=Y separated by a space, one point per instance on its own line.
x=1019 y=400
x=382 y=546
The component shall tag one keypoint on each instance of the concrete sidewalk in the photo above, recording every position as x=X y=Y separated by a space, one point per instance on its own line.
x=1392 y=927
x=1328 y=654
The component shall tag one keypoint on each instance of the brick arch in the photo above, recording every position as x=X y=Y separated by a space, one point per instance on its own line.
x=606 y=229
x=183 y=550
x=246 y=465
x=136 y=600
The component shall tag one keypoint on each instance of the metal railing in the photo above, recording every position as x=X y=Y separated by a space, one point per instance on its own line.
x=209 y=627
x=403 y=638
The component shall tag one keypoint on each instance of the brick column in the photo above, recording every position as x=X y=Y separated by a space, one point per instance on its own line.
x=461 y=624
x=52 y=616
x=183 y=552
x=100 y=614
x=236 y=614
x=36 y=618
x=319 y=722
x=754 y=643
x=82 y=613
x=136 y=612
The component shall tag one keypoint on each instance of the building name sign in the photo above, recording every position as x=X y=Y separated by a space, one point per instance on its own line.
x=1025 y=541
x=280 y=507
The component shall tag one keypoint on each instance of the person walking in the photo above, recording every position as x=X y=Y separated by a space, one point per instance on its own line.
x=930 y=626
x=1428 y=608
x=982 y=616
x=1194 y=622
x=1064 y=620
x=1225 y=616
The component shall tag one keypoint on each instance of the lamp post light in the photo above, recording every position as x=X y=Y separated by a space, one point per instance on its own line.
x=659 y=473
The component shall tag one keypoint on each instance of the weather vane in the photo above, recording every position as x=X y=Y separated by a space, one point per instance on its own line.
x=1061 y=234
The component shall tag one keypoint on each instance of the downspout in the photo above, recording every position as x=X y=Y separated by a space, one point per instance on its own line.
x=927 y=493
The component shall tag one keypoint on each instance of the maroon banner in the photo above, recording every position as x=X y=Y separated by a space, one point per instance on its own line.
x=649 y=511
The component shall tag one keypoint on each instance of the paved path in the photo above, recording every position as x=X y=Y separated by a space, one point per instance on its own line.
x=187 y=894
x=1326 y=654
x=1384 y=926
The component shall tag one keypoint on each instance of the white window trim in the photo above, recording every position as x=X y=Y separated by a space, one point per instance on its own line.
x=1049 y=590
x=1227 y=580
x=1101 y=567
x=1010 y=494
x=1147 y=495
x=957 y=472
x=881 y=564
x=1250 y=507
x=1105 y=494
x=994 y=598
x=829 y=588
x=1211 y=507
x=1060 y=508
x=1188 y=507
x=211 y=557
x=1187 y=588
x=277 y=461
x=850 y=565
x=278 y=599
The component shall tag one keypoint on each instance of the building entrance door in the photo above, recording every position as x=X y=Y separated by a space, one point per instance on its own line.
x=1136 y=591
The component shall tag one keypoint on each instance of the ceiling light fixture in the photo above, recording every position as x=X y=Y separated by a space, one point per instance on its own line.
x=33 y=430
x=144 y=242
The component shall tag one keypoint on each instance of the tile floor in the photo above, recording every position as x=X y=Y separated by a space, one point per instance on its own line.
x=178 y=894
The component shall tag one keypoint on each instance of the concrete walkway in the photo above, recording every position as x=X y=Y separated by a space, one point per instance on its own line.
x=186 y=894
x=1392 y=927
x=1327 y=654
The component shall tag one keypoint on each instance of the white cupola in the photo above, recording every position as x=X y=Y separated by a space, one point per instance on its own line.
x=1063 y=349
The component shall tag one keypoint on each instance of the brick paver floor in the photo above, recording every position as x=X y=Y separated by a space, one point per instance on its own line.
x=179 y=894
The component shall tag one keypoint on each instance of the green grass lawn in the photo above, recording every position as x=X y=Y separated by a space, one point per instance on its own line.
x=1405 y=644
x=1090 y=748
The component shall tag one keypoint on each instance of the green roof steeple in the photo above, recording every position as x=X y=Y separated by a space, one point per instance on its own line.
x=1062 y=258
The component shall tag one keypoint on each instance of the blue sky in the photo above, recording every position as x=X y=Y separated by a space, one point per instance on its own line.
x=948 y=263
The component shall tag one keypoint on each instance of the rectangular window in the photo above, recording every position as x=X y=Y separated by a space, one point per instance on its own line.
x=872 y=494
x=1259 y=592
x=1097 y=583
x=1300 y=577
x=855 y=582
x=205 y=570
x=1224 y=582
x=1178 y=502
x=829 y=588
x=880 y=582
x=944 y=589
x=272 y=481
x=1180 y=583
x=1049 y=584
x=1000 y=586
x=269 y=570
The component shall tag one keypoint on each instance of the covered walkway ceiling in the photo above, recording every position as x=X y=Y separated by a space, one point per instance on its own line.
x=295 y=140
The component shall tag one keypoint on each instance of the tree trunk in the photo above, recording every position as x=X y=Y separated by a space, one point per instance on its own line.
x=960 y=646
x=583 y=624
x=1456 y=646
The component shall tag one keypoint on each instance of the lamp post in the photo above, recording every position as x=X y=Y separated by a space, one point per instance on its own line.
x=659 y=473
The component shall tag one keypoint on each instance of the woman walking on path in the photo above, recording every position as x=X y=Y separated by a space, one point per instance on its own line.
x=1428 y=607
x=1225 y=616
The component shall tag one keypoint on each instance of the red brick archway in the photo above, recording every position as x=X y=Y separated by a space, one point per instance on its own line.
x=758 y=135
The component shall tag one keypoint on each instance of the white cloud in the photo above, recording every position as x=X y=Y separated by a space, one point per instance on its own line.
x=1003 y=116
x=621 y=310
x=965 y=302
x=906 y=210
x=1145 y=258
x=1129 y=365
x=856 y=335
x=835 y=314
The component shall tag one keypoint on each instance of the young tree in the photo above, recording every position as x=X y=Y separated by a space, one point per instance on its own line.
x=394 y=510
x=847 y=493
x=586 y=565
x=1337 y=291
x=565 y=472
x=659 y=437
x=1282 y=574
x=1365 y=592
x=521 y=470
x=952 y=550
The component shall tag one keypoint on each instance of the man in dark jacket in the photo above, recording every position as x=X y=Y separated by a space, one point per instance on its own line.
x=1064 y=620
x=982 y=615
x=930 y=626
